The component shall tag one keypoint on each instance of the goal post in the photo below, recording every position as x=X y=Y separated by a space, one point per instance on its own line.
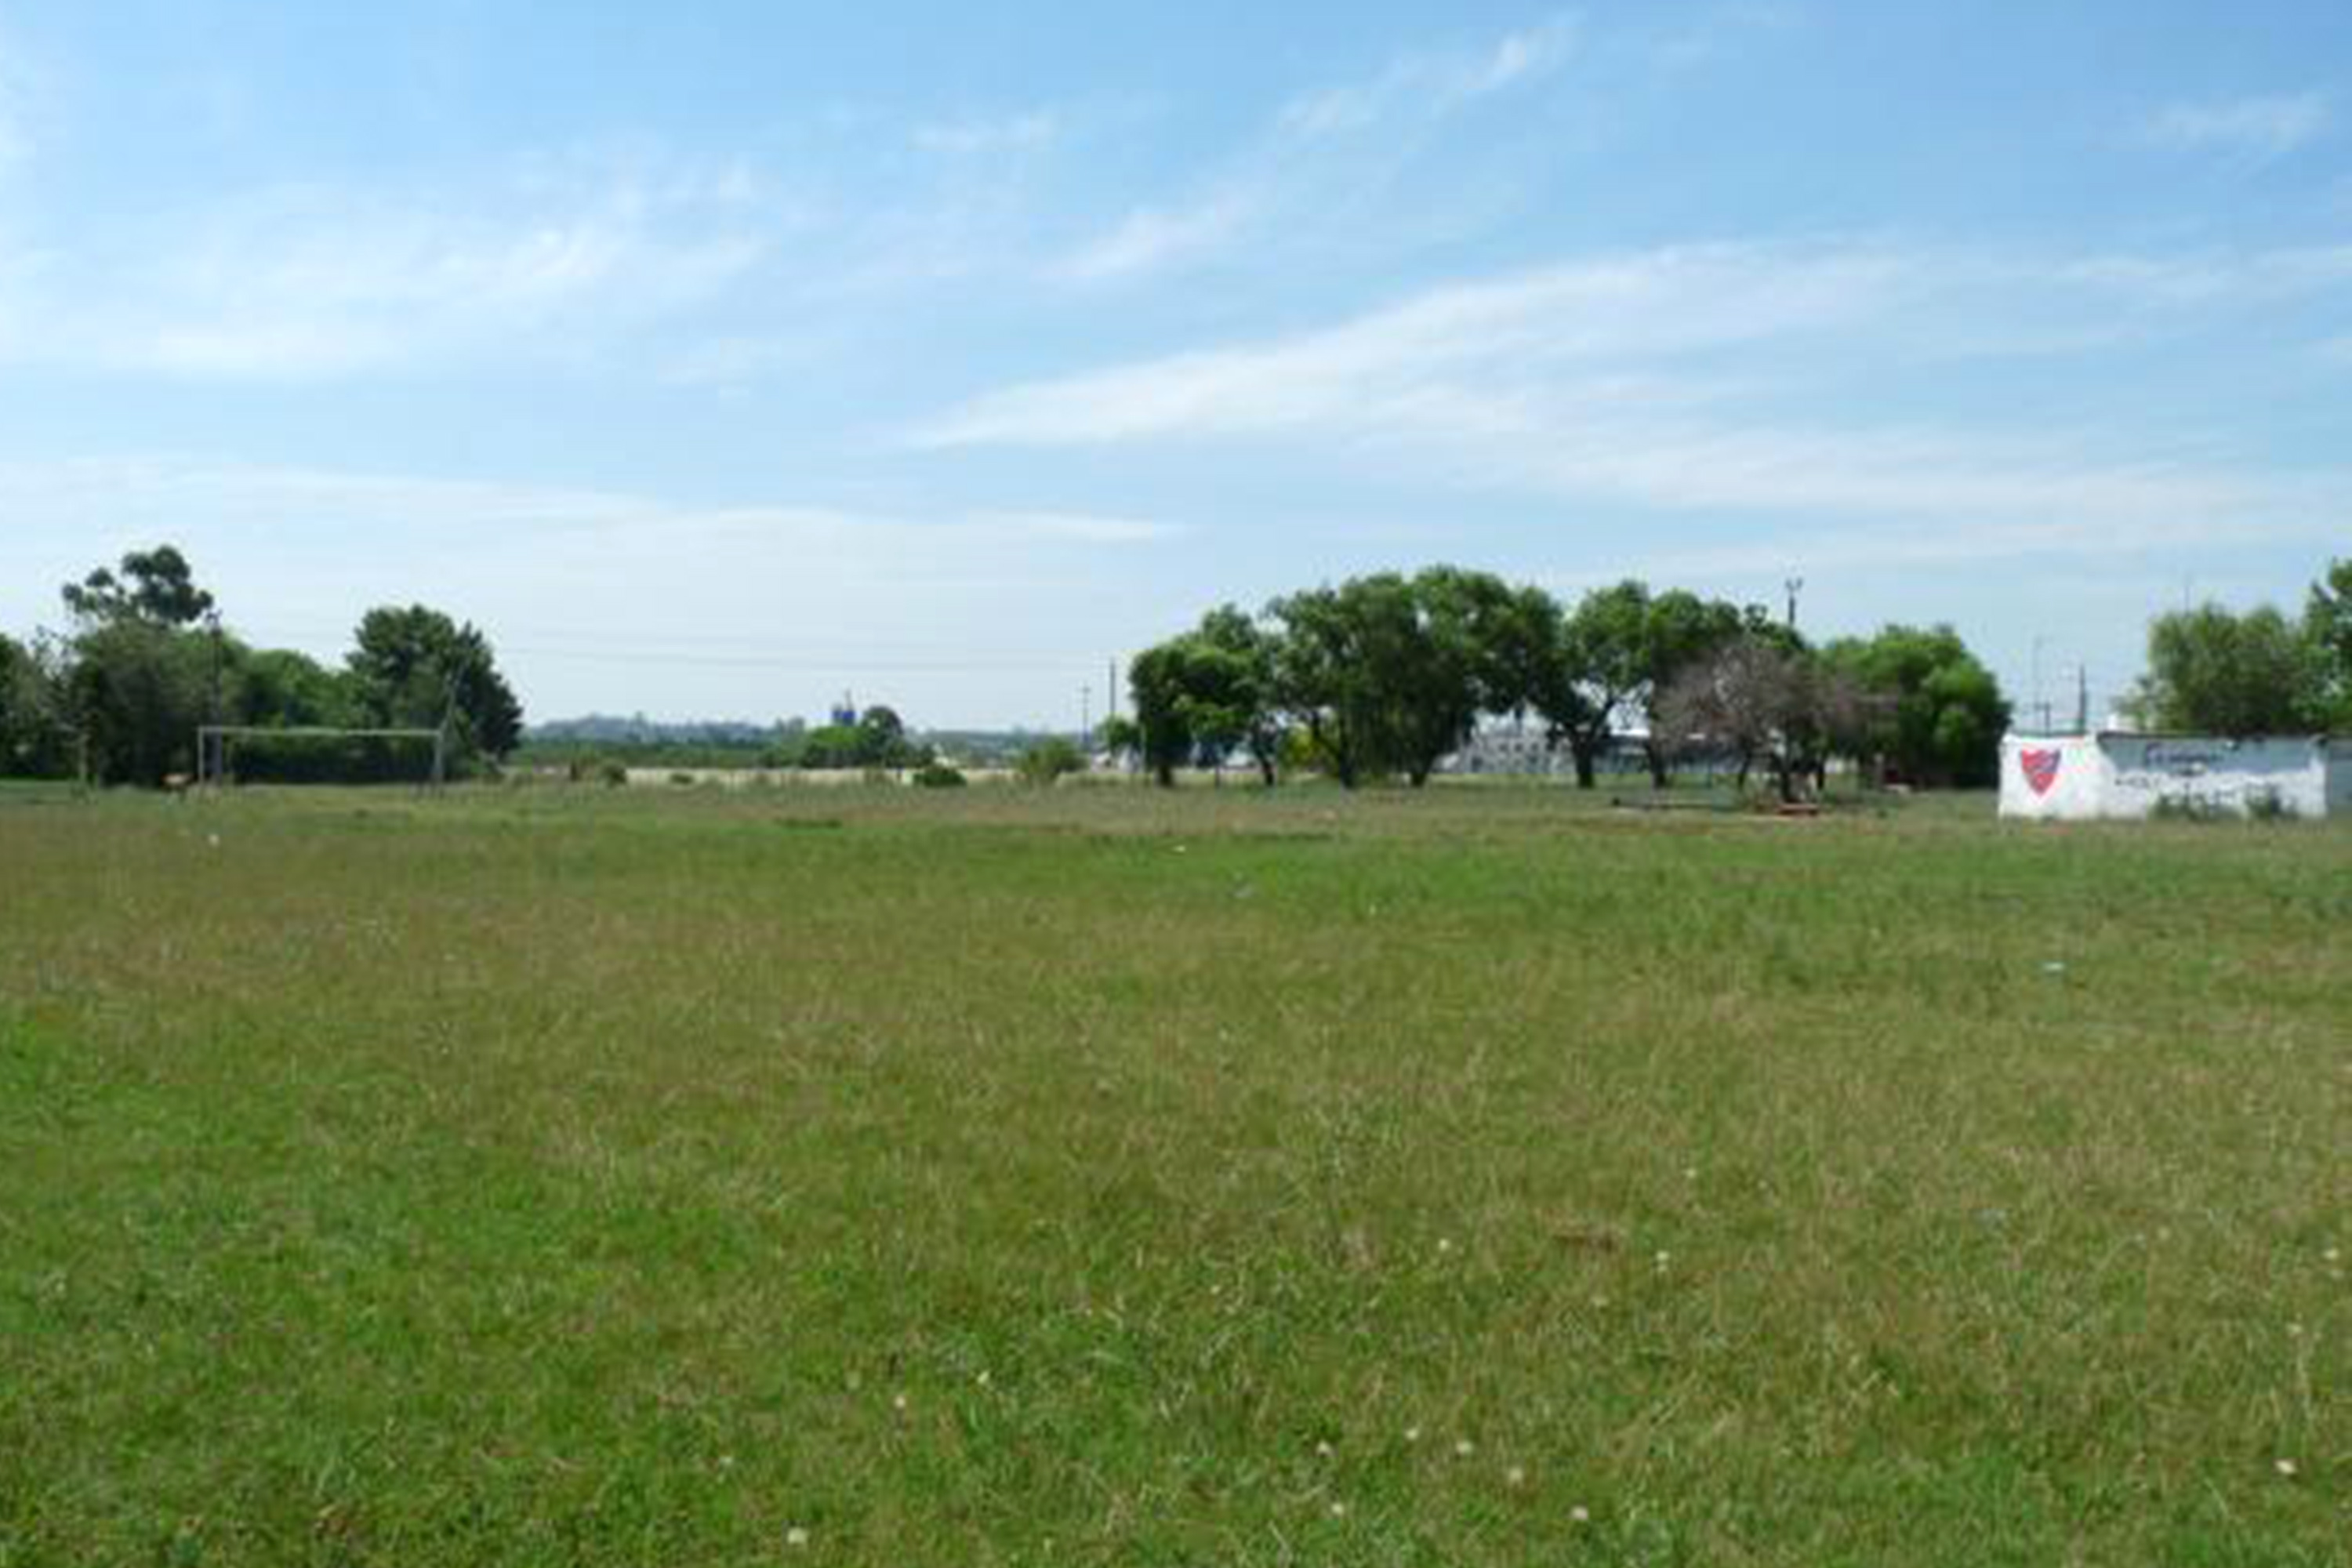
x=216 y=745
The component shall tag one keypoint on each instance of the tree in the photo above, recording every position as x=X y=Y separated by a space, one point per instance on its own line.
x=1122 y=736
x=35 y=740
x=156 y=586
x=2327 y=626
x=1759 y=699
x=1246 y=682
x=279 y=687
x=136 y=690
x=1380 y=686
x=2213 y=672
x=1919 y=700
x=1200 y=695
x=1680 y=631
x=1156 y=681
x=136 y=680
x=413 y=668
x=1492 y=648
x=1605 y=669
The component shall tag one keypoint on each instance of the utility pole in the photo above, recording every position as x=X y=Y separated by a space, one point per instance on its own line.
x=2041 y=706
x=1795 y=585
x=2082 y=699
x=1085 y=717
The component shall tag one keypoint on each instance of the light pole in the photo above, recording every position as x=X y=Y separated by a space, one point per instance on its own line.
x=2041 y=706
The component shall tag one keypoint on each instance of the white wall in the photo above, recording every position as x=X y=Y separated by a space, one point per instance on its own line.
x=2129 y=776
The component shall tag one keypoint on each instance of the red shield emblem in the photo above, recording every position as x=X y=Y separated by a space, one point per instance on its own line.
x=2041 y=768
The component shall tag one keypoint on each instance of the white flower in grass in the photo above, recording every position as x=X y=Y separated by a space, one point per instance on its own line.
x=1412 y=1434
x=1516 y=1476
x=2287 y=1468
x=1339 y=1510
x=1464 y=1448
x=1580 y=1514
x=796 y=1538
x=898 y=1403
x=1323 y=1450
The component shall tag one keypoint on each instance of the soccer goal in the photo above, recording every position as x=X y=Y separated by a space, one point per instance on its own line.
x=318 y=754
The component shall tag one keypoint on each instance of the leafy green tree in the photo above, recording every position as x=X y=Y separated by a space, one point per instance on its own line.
x=1380 y=686
x=1158 y=682
x=36 y=738
x=1919 y=700
x=1122 y=736
x=1492 y=650
x=156 y=586
x=2327 y=626
x=2213 y=672
x=1604 y=672
x=411 y=667
x=1240 y=685
x=279 y=687
x=137 y=690
x=136 y=680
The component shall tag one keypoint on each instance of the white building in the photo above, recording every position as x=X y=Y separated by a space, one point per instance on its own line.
x=2127 y=776
x=1509 y=749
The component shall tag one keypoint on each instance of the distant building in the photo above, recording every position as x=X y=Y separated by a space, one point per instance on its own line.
x=1525 y=751
x=2127 y=776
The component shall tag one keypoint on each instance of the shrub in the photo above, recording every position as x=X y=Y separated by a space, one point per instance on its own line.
x=938 y=775
x=2269 y=805
x=1046 y=761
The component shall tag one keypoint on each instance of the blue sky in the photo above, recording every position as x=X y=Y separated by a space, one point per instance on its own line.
x=719 y=357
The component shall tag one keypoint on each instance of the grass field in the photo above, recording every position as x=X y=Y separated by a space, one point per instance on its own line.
x=544 y=1176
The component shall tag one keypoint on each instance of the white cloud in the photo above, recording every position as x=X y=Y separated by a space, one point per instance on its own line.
x=298 y=284
x=1151 y=237
x=2257 y=129
x=1289 y=169
x=1082 y=528
x=1670 y=379
x=1431 y=83
x=970 y=138
x=1401 y=359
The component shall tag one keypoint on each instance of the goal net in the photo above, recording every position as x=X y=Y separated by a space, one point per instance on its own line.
x=252 y=753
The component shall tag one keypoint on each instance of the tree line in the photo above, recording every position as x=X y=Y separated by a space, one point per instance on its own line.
x=119 y=697
x=1386 y=675
x=2261 y=672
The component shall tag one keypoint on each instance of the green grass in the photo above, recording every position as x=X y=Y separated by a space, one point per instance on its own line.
x=546 y=1176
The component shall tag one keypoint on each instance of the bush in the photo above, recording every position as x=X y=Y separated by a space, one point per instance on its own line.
x=2269 y=805
x=938 y=775
x=1046 y=761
